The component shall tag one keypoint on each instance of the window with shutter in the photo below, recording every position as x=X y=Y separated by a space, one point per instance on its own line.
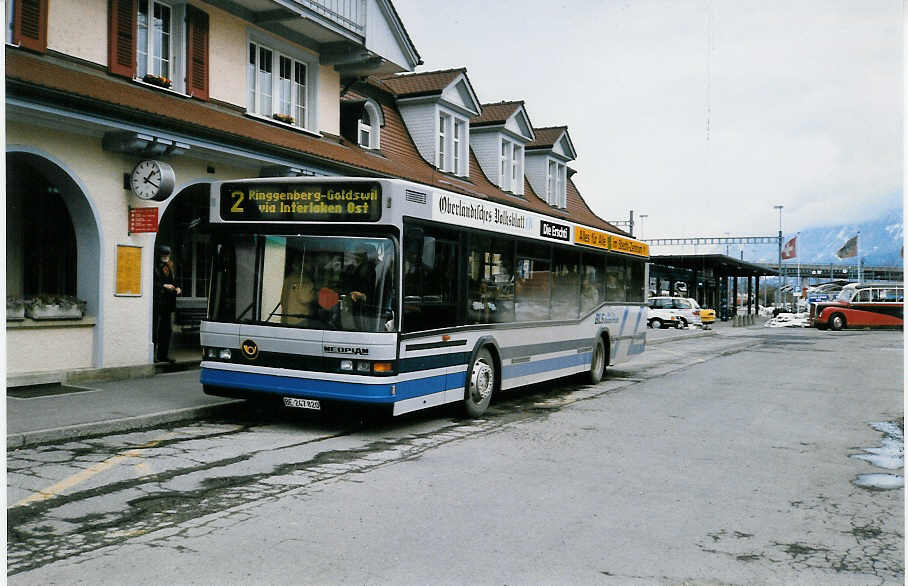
x=30 y=24
x=197 y=49
x=121 y=54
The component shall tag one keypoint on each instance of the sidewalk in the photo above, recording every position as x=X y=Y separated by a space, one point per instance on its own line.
x=47 y=414
x=36 y=415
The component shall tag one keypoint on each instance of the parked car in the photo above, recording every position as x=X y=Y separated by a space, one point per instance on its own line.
x=663 y=318
x=687 y=308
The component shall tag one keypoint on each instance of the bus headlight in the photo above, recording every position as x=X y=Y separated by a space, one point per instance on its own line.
x=363 y=366
x=346 y=365
x=225 y=354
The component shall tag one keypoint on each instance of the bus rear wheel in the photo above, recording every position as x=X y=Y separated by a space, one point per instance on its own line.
x=597 y=366
x=837 y=322
x=480 y=384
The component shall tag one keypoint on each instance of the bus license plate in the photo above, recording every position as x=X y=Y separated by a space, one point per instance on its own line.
x=302 y=403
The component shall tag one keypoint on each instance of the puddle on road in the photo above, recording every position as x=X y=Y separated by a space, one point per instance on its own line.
x=890 y=455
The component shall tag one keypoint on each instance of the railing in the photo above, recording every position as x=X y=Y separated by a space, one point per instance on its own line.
x=351 y=14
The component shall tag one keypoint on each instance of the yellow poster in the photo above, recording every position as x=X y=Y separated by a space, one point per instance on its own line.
x=590 y=237
x=628 y=246
x=129 y=270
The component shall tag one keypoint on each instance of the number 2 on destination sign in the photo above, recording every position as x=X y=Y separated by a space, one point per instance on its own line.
x=236 y=206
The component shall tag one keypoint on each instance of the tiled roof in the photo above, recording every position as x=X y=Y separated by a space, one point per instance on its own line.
x=495 y=113
x=429 y=82
x=96 y=91
x=546 y=137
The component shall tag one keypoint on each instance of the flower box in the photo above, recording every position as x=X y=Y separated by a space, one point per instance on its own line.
x=15 y=313
x=158 y=80
x=285 y=118
x=44 y=307
x=38 y=312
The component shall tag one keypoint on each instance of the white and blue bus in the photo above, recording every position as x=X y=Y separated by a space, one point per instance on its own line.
x=392 y=293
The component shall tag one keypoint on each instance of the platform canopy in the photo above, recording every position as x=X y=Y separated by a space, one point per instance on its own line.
x=719 y=264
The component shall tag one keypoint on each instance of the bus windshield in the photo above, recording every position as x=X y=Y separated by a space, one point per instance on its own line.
x=312 y=282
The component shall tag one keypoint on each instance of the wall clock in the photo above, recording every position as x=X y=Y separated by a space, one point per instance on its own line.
x=152 y=180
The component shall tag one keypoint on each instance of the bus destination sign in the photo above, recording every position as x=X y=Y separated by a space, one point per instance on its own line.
x=301 y=202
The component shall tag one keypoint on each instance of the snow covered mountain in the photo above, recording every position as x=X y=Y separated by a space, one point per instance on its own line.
x=880 y=244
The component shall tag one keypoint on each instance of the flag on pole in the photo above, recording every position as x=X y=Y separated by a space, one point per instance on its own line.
x=850 y=250
x=790 y=250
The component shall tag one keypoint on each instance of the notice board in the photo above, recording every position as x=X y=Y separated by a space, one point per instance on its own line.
x=129 y=270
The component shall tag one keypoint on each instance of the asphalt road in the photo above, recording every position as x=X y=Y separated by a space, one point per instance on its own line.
x=716 y=460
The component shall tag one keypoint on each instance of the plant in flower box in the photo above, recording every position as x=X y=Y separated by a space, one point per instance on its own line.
x=158 y=80
x=15 y=308
x=285 y=118
x=54 y=307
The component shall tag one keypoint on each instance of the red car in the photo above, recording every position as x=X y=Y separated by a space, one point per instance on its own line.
x=861 y=305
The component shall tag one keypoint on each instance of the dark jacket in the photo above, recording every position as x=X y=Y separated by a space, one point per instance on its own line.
x=164 y=299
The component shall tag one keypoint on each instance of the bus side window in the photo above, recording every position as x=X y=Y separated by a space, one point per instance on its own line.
x=430 y=279
x=615 y=287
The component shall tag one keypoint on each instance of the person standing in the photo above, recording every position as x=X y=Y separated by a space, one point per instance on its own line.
x=165 y=302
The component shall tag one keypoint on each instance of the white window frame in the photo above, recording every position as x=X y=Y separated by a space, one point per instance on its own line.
x=504 y=157
x=556 y=183
x=456 y=143
x=10 y=20
x=510 y=169
x=372 y=130
x=452 y=146
x=256 y=98
x=517 y=169
x=176 y=45
x=444 y=124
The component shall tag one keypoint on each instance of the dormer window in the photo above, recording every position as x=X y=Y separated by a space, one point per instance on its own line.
x=452 y=144
x=547 y=158
x=457 y=150
x=556 y=184
x=443 y=124
x=510 y=169
x=368 y=126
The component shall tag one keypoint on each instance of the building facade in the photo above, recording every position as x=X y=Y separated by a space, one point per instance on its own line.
x=201 y=91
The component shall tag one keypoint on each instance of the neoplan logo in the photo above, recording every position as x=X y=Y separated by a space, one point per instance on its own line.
x=347 y=350
x=556 y=231
x=250 y=349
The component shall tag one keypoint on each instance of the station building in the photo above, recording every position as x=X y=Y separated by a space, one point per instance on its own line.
x=214 y=90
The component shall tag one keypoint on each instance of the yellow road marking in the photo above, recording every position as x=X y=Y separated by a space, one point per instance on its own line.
x=80 y=477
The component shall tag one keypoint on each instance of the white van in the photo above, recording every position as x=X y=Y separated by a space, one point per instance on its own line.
x=687 y=308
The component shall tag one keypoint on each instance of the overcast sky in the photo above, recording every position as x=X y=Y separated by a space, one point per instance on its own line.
x=701 y=114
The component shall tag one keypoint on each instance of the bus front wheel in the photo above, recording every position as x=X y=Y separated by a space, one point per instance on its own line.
x=597 y=366
x=480 y=384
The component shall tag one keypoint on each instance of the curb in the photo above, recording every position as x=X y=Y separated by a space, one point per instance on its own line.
x=125 y=424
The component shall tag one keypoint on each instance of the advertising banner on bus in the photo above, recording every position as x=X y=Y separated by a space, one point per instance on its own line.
x=484 y=215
